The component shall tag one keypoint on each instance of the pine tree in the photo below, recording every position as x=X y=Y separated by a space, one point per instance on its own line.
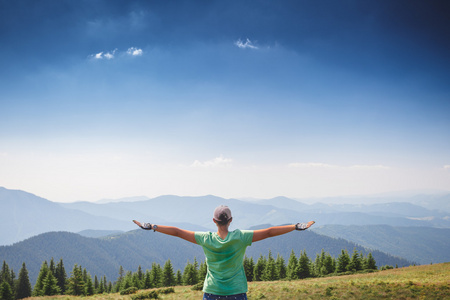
x=291 y=271
x=328 y=265
x=281 y=267
x=156 y=275
x=6 y=292
x=61 y=276
x=259 y=268
x=23 y=288
x=269 y=273
x=179 y=278
x=342 y=262
x=89 y=287
x=303 y=269
x=370 y=263
x=318 y=264
x=189 y=274
x=249 y=265
x=140 y=274
x=38 y=287
x=52 y=267
x=355 y=262
x=7 y=275
x=147 y=280
x=202 y=272
x=75 y=284
x=101 y=286
x=96 y=284
x=50 y=287
x=168 y=277
x=127 y=281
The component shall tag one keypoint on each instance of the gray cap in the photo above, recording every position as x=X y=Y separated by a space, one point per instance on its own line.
x=222 y=213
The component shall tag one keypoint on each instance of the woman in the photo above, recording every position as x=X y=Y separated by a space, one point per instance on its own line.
x=224 y=251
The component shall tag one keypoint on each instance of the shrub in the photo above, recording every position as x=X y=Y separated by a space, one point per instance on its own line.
x=145 y=295
x=166 y=291
x=129 y=291
x=197 y=287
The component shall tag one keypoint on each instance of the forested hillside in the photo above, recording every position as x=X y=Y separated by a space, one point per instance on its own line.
x=423 y=245
x=104 y=256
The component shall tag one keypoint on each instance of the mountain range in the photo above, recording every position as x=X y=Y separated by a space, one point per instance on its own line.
x=33 y=229
x=24 y=215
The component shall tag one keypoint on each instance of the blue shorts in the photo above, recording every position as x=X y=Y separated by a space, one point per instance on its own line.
x=242 y=296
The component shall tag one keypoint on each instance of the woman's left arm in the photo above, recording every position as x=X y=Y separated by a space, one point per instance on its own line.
x=262 y=234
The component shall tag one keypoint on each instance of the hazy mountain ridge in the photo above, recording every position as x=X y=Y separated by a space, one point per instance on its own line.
x=27 y=215
x=24 y=215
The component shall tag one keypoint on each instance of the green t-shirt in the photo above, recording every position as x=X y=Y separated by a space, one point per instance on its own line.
x=224 y=258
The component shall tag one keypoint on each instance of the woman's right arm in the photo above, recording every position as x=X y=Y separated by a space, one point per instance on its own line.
x=169 y=230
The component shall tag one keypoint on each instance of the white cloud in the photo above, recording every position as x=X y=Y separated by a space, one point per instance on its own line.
x=110 y=55
x=246 y=44
x=323 y=165
x=311 y=164
x=98 y=55
x=447 y=167
x=134 y=51
x=216 y=162
x=369 y=167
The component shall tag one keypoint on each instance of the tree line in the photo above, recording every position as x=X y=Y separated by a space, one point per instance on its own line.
x=53 y=279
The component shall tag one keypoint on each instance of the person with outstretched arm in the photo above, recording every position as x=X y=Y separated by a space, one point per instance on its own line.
x=224 y=251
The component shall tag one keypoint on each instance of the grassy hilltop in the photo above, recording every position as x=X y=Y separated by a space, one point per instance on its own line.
x=418 y=282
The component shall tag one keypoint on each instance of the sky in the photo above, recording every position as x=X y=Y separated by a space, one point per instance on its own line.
x=256 y=99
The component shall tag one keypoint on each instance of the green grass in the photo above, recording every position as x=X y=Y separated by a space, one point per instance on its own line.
x=419 y=282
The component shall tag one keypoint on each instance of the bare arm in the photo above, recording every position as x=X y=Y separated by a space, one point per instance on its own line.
x=178 y=232
x=262 y=234
x=169 y=230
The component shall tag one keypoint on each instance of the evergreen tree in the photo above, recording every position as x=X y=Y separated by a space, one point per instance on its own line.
x=168 y=277
x=202 y=272
x=23 y=288
x=190 y=274
x=291 y=270
x=249 y=265
x=89 y=287
x=328 y=265
x=140 y=274
x=179 y=278
x=318 y=264
x=269 y=273
x=61 y=276
x=101 y=286
x=136 y=282
x=6 y=292
x=147 y=280
x=303 y=269
x=52 y=267
x=50 y=287
x=38 y=287
x=259 y=268
x=96 y=284
x=7 y=275
x=75 y=284
x=281 y=267
x=355 y=262
x=343 y=261
x=156 y=275
x=127 y=281
x=370 y=263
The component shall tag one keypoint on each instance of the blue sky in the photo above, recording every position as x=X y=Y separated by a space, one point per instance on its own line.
x=110 y=99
